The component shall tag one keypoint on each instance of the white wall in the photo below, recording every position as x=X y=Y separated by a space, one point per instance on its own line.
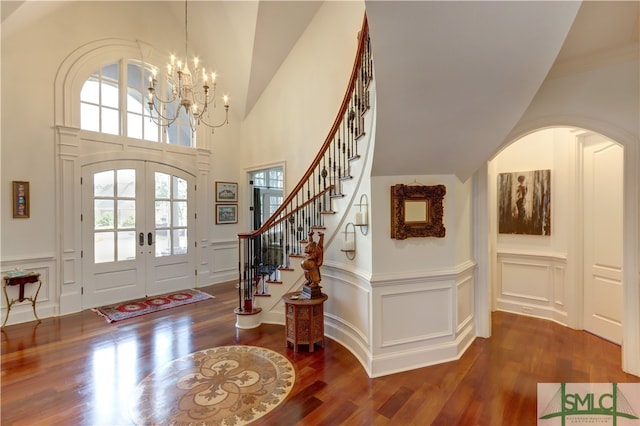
x=295 y=112
x=423 y=289
x=532 y=271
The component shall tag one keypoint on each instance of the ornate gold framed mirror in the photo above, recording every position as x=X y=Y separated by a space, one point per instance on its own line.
x=417 y=211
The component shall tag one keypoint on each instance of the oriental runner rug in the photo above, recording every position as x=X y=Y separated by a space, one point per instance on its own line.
x=147 y=305
x=225 y=386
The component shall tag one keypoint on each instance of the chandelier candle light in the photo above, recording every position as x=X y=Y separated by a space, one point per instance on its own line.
x=195 y=92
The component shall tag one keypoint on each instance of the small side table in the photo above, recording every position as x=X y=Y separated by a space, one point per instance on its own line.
x=304 y=320
x=21 y=280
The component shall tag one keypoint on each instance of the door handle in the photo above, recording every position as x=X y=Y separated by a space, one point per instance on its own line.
x=150 y=238
x=141 y=238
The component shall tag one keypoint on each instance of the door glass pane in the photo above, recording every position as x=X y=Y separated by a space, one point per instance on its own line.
x=103 y=214
x=126 y=214
x=127 y=183
x=103 y=184
x=179 y=188
x=179 y=241
x=179 y=213
x=163 y=242
x=163 y=214
x=162 y=185
x=103 y=247
x=126 y=245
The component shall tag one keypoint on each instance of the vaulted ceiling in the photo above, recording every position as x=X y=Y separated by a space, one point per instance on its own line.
x=453 y=78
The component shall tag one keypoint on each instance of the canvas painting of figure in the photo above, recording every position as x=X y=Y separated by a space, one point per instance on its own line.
x=524 y=202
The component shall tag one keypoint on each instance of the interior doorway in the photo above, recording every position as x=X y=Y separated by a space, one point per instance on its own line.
x=573 y=274
x=266 y=187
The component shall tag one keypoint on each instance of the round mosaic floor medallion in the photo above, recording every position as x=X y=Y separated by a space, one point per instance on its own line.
x=226 y=386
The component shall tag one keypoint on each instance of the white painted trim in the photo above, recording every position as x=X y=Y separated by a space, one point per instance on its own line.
x=397 y=362
x=393 y=279
x=482 y=252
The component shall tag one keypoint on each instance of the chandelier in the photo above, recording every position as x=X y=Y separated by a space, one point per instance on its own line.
x=195 y=92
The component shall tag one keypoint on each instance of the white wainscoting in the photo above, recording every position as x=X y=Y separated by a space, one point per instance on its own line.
x=421 y=320
x=224 y=262
x=47 y=301
x=532 y=284
x=347 y=311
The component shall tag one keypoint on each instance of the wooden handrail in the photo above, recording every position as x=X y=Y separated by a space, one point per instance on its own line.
x=273 y=219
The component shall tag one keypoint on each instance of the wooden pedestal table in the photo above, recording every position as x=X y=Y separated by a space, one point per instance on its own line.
x=21 y=280
x=304 y=320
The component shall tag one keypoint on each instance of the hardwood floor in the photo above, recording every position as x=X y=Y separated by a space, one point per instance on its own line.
x=79 y=370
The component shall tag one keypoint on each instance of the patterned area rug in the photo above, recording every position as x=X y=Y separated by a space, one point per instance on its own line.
x=135 y=308
x=226 y=386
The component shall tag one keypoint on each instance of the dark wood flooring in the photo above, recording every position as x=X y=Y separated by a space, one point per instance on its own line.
x=79 y=370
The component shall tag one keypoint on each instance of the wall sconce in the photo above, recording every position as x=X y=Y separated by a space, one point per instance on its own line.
x=362 y=215
x=349 y=241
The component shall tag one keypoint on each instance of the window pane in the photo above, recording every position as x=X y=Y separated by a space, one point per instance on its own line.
x=180 y=243
x=89 y=117
x=103 y=214
x=134 y=75
x=103 y=184
x=163 y=242
x=179 y=213
x=126 y=183
x=163 y=214
x=179 y=188
x=135 y=100
x=134 y=126
x=90 y=92
x=162 y=185
x=110 y=121
x=110 y=72
x=126 y=245
x=109 y=94
x=126 y=214
x=151 y=130
x=103 y=247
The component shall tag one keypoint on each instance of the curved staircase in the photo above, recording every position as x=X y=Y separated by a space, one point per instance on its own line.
x=270 y=257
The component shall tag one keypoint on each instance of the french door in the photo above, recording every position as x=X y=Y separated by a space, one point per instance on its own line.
x=138 y=228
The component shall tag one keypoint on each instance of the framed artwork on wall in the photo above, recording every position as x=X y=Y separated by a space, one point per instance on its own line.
x=226 y=213
x=20 y=199
x=524 y=202
x=417 y=211
x=226 y=192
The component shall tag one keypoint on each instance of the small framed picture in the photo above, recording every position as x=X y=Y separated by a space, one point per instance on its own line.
x=226 y=213
x=20 y=199
x=226 y=192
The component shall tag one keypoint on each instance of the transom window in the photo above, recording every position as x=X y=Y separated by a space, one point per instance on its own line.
x=109 y=106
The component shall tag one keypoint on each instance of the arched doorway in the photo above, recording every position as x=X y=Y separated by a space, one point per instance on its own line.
x=564 y=303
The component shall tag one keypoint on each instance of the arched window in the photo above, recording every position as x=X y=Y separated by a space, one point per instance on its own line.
x=107 y=105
